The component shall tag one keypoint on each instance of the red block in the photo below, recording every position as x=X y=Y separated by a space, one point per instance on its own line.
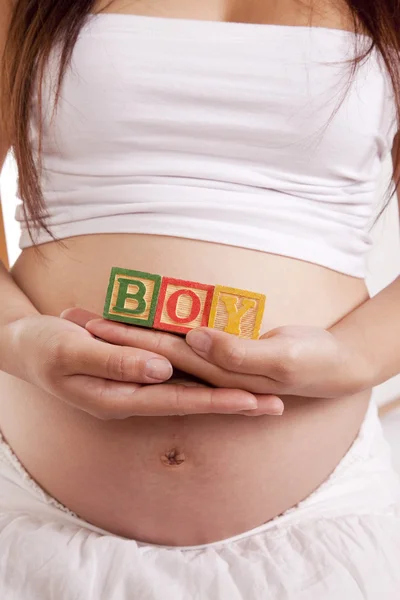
x=182 y=305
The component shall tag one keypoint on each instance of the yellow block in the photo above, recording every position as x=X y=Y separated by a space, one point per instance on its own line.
x=236 y=311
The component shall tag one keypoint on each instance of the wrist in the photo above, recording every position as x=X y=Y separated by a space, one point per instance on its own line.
x=16 y=313
x=358 y=360
x=11 y=355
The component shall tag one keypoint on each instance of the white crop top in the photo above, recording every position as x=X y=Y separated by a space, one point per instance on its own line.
x=241 y=134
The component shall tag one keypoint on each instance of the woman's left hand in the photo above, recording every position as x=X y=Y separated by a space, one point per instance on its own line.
x=290 y=360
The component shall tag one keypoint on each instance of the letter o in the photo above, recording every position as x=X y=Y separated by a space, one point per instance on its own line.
x=172 y=303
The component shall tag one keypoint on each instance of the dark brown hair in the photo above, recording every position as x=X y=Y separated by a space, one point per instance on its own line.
x=37 y=25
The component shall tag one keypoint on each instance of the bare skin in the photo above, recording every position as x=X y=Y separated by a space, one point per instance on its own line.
x=198 y=478
x=169 y=479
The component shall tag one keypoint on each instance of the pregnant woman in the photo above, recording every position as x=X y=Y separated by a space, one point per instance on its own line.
x=235 y=143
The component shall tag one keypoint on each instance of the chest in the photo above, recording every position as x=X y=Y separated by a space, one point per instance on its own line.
x=323 y=13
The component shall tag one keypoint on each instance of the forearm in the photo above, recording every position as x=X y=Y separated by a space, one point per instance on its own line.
x=372 y=331
x=13 y=302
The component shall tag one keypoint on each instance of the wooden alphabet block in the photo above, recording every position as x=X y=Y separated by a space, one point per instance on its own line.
x=237 y=311
x=182 y=305
x=132 y=297
x=178 y=305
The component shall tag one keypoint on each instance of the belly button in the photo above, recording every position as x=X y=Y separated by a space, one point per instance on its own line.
x=173 y=457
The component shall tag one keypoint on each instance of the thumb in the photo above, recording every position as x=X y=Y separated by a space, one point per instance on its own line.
x=77 y=315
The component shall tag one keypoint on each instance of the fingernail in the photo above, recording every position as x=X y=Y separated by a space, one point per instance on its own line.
x=199 y=340
x=158 y=368
x=249 y=404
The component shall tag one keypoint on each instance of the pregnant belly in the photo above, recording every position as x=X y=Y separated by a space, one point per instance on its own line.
x=180 y=480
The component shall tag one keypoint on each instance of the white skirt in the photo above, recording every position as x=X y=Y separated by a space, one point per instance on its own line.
x=341 y=543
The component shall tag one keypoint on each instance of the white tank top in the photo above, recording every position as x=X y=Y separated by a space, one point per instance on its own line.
x=241 y=134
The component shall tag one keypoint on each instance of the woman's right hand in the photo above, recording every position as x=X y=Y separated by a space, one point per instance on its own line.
x=103 y=379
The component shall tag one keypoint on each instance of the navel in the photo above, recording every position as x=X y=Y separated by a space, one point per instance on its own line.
x=173 y=457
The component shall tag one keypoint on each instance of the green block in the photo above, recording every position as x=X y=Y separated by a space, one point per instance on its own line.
x=132 y=297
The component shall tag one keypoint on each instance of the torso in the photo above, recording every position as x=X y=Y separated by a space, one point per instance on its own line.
x=237 y=472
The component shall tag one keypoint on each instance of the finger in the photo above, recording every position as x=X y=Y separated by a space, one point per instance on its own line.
x=87 y=356
x=112 y=400
x=254 y=357
x=267 y=405
x=177 y=351
x=131 y=335
x=101 y=398
x=80 y=316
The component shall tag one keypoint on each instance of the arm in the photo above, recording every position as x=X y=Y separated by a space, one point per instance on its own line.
x=13 y=303
x=373 y=330
x=374 y=327
x=358 y=352
x=105 y=380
